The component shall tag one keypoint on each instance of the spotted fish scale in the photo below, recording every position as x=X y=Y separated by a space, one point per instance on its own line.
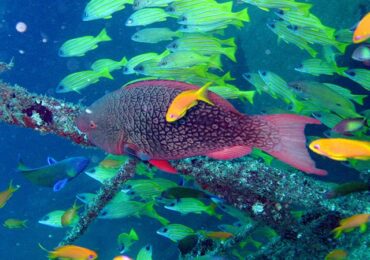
x=135 y=117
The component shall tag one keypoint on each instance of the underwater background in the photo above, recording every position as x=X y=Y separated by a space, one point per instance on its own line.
x=39 y=69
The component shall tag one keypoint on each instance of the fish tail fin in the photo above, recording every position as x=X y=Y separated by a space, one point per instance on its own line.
x=312 y=52
x=13 y=188
x=202 y=93
x=106 y=74
x=211 y=210
x=247 y=95
x=230 y=53
x=227 y=77
x=51 y=254
x=150 y=212
x=21 y=165
x=133 y=235
x=229 y=42
x=337 y=232
x=200 y=70
x=359 y=99
x=298 y=106
x=341 y=47
x=123 y=61
x=215 y=62
x=341 y=70
x=243 y=15
x=103 y=36
x=304 y=8
x=286 y=140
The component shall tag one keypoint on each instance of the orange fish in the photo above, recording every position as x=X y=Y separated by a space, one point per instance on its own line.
x=71 y=252
x=7 y=194
x=221 y=235
x=337 y=254
x=349 y=224
x=341 y=149
x=69 y=215
x=186 y=100
x=362 y=32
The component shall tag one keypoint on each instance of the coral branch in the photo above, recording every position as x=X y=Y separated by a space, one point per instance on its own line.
x=104 y=195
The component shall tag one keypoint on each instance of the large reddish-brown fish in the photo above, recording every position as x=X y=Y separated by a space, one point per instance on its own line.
x=133 y=120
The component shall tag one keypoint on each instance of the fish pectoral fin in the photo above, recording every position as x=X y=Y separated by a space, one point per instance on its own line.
x=60 y=185
x=337 y=158
x=362 y=157
x=363 y=228
x=163 y=166
x=229 y=153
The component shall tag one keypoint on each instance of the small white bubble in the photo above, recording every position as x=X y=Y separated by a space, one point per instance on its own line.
x=21 y=51
x=88 y=111
x=21 y=27
x=267 y=51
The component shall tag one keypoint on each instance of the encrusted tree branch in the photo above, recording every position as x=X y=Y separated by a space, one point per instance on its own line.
x=104 y=195
x=41 y=113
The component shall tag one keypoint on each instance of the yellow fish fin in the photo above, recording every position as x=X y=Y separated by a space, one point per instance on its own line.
x=337 y=232
x=362 y=157
x=202 y=93
x=337 y=158
x=363 y=228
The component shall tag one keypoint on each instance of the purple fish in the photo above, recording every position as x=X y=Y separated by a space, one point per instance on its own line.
x=133 y=119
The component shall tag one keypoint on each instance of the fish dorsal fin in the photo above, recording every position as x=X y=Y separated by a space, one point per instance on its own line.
x=51 y=160
x=21 y=166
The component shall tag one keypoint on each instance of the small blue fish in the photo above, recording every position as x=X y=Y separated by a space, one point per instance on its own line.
x=56 y=174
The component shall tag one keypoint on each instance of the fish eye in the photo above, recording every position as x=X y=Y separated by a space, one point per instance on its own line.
x=139 y=68
x=247 y=76
x=46 y=218
x=182 y=18
x=91 y=256
x=92 y=125
x=272 y=25
x=300 y=66
x=172 y=204
x=125 y=69
x=104 y=213
x=147 y=247
x=163 y=63
x=263 y=73
x=170 y=9
x=350 y=73
x=164 y=230
x=316 y=146
x=280 y=12
x=184 y=26
x=135 y=36
x=174 y=45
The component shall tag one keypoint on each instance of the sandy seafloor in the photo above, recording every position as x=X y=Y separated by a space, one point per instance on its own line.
x=38 y=68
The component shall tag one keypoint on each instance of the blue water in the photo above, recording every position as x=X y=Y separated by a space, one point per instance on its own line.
x=39 y=69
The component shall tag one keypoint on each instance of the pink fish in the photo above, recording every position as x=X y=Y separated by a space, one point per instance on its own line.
x=132 y=120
